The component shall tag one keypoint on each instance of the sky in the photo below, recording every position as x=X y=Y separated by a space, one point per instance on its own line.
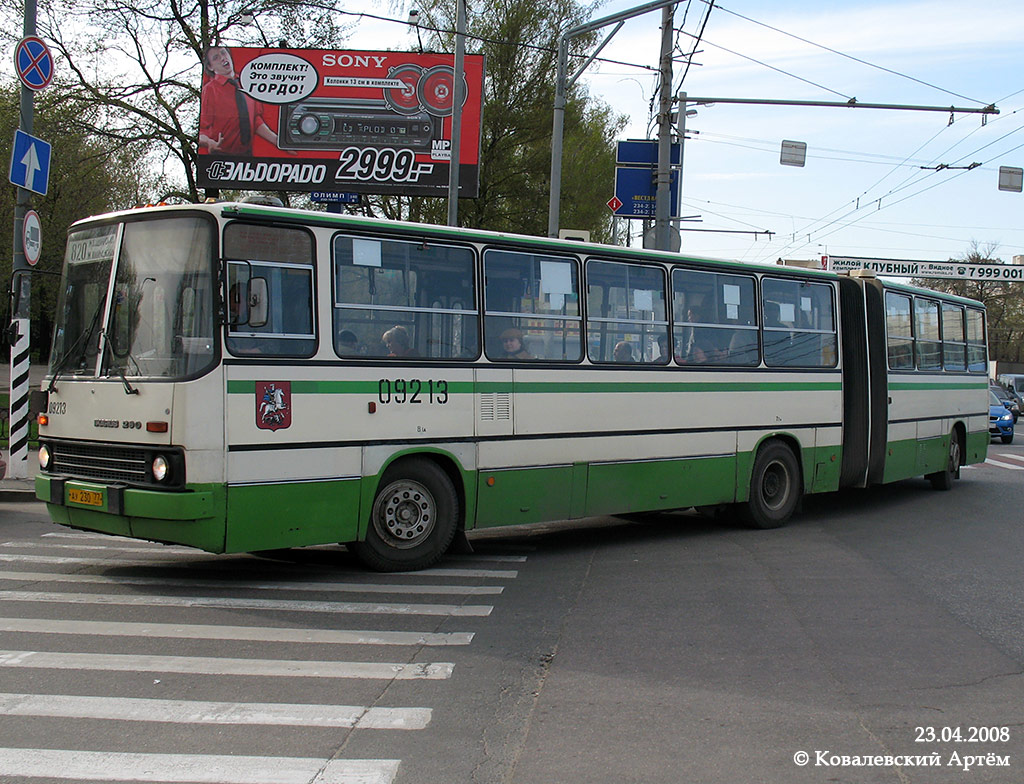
x=863 y=191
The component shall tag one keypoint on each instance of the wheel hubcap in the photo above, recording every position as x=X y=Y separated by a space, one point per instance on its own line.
x=775 y=486
x=403 y=515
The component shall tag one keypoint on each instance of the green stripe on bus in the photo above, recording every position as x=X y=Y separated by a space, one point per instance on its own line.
x=553 y=387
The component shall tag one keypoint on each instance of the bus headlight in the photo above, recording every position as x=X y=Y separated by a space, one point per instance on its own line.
x=160 y=468
x=45 y=457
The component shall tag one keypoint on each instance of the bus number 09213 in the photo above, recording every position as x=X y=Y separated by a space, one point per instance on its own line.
x=412 y=391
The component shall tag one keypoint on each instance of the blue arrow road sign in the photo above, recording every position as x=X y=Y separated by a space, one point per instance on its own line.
x=635 y=188
x=30 y=163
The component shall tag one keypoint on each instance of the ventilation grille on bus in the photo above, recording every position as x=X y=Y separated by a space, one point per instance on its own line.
x=94 y=461
x=495 y=406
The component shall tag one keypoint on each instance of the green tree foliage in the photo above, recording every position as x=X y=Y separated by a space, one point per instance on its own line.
x=1002 y=299
x=87 y=176
x=518 y=39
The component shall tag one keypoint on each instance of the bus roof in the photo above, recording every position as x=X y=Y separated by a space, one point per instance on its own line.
x=359 y=222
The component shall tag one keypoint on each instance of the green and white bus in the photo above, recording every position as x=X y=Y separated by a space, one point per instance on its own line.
x=238 y=378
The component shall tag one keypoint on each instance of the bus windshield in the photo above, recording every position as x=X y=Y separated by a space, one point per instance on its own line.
x=159 y=321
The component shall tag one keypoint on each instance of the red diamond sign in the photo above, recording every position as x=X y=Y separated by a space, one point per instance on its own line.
x=614 y=203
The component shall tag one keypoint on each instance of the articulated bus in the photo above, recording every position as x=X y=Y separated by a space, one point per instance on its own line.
x=239 y=378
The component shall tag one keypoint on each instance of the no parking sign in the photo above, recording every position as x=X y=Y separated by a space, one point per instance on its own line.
x=34 y=63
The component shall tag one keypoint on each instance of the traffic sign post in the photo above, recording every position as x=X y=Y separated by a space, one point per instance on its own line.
x=30 y=171
x=636 y=191
x=32 y=237
x=30 y=163
x=644 y=152
x=34 y=63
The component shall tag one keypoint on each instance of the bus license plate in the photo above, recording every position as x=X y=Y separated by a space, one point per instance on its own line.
x=86 y=497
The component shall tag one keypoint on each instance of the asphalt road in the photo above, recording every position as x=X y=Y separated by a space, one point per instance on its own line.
x=879 y=633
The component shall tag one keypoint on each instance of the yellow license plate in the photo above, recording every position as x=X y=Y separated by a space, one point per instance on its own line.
x=87 y=497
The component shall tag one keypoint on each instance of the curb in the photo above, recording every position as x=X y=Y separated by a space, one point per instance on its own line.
x=17 y=495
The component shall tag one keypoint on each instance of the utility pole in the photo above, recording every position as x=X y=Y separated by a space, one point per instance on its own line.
x=457 y=97
x=562 y=84
x=20 y=294
x=663 y=177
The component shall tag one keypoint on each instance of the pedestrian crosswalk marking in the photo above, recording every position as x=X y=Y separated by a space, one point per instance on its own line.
x=250 y=604
x=1000 y=464
x=497 y=574
x=203 y=712
x=115 y=570
x=184 y=582
x=202 y=665
x=218 y=632
x=192 y=768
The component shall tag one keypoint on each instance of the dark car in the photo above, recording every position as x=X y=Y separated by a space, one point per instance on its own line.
x=1007 y=400
x=1000 y=420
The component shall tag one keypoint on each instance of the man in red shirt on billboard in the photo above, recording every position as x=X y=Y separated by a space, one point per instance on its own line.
x=229 y=117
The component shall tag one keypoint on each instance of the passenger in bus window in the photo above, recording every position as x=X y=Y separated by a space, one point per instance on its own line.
x=663 y=355
x=690 y=350
x=397 y=341
x=743 y=347
x=512 y=345
x=622 y=352
x=348 y=343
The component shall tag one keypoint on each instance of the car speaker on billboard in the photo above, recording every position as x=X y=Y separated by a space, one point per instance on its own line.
x=404 y=100
x=436 y=90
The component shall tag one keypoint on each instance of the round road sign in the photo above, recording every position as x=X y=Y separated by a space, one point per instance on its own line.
x=34 y=63
x=32 y=237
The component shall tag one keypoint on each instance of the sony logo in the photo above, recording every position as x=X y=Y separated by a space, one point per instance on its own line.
x=345 y=60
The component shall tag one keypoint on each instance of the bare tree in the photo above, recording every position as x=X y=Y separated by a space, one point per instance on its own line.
x=137 y=64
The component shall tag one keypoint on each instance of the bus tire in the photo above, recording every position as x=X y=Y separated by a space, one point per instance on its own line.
x=943 y=480
x=775 y=486
x=414 y=518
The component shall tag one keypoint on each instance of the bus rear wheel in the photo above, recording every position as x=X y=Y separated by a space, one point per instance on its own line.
x=414 y=518
x=775 y=486
x=943 y=480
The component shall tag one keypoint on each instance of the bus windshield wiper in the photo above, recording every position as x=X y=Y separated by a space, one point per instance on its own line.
x=83 y=339
x=128 y=388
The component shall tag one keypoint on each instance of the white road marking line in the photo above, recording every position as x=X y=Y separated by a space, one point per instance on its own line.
x=205 y=665
x=1012 y=456
x=1012 y=467
x=506 y=573
x=192 y=768
x=201 y=712
x=155 y=550
x=217 y=602
x=184 y=582
x=210 y=558
x=217 y=632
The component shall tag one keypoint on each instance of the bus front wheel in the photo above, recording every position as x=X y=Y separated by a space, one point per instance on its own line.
x=943 y=480
x=414 y=518
x=774 y=486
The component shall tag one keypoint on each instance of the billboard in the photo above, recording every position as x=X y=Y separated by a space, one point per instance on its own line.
x=949 y=270
x=331 y=120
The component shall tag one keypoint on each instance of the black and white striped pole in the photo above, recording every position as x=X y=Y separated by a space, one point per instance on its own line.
x=34 y=63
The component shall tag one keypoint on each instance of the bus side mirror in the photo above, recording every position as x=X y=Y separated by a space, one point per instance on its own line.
x=258 y=302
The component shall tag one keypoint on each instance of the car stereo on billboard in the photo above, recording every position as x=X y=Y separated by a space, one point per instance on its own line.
x=336 y=123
